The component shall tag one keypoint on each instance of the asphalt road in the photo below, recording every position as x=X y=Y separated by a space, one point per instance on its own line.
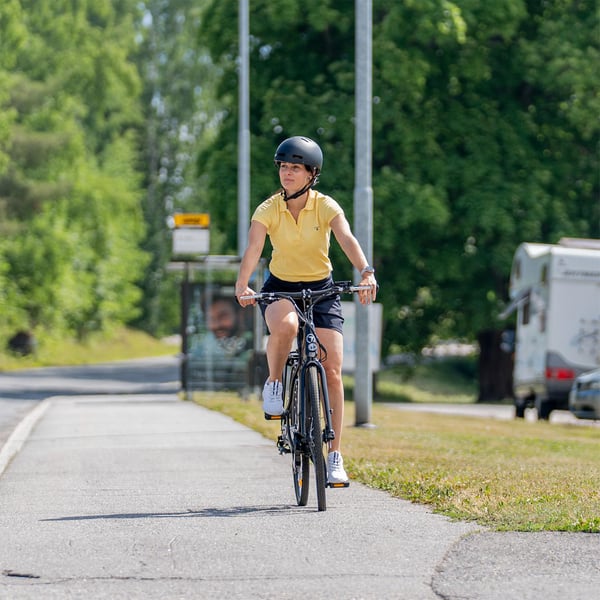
x=20 y=391
x=504 y=412
x=113 y=487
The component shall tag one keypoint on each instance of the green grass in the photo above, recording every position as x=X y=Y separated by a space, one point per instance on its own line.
x=119 y=345
x=507 y=475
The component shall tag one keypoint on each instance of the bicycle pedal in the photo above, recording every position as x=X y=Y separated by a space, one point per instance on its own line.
x=272 y=417
x=343 y=484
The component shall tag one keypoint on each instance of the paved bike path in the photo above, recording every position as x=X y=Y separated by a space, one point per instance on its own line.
x=146 y=496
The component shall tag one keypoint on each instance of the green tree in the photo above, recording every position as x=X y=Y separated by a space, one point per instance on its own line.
x=179 y=114
x=301 y=82
x=70 y=189
x=13 y=35
x=506 y=159
x=483 y=132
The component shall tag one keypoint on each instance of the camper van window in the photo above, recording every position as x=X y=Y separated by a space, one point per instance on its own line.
x=525 y=313
x=544 y=275
x=518 y=269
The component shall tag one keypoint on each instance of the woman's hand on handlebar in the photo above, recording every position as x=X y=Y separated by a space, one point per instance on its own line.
x=368 y=296
x=244 y=291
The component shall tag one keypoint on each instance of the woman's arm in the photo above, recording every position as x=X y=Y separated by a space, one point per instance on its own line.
x=351 y=247
x=256 y=242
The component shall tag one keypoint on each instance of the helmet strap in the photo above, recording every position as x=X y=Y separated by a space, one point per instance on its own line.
x=305 y=189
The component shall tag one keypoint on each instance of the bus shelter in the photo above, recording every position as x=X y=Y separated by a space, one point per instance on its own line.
x=222 y=343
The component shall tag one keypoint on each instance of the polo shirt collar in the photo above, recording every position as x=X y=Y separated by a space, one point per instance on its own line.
x=310 y=203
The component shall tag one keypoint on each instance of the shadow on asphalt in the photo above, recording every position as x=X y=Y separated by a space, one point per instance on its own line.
x=233 y=511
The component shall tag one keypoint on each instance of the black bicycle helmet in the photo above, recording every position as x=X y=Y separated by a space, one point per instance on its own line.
x=300 y=150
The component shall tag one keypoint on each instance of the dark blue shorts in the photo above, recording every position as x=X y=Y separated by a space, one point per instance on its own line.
x=327 y=313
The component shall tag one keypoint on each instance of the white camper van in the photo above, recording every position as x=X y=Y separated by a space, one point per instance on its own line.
x=556 y=292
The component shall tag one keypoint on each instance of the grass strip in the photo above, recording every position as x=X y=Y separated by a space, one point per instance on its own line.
x=123 y=344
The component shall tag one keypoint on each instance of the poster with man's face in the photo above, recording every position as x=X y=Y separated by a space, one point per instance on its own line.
x=220 y=337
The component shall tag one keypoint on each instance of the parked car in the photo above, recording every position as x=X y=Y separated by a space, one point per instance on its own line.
x=584 y=398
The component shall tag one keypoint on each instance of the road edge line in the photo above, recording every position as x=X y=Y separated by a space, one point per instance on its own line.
x=20 y=434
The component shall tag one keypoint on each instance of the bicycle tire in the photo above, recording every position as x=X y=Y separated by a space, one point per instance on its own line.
x=317 y=443
x=300 y=461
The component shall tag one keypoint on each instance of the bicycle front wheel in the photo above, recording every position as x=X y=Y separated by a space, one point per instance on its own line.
x=300 y=460
x=318 y=446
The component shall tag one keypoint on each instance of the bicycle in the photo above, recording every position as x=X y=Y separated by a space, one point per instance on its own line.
x=306 y=430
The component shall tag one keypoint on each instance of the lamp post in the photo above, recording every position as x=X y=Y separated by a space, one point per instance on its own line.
x=363 y=203
x=243 y=128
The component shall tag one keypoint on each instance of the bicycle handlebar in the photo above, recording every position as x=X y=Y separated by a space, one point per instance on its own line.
x=338 y=287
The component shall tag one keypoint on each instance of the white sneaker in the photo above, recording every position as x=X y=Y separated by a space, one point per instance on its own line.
x=273 y=398
x=335 y=468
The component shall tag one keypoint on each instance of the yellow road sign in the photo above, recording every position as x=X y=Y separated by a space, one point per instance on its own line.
x=191 y=220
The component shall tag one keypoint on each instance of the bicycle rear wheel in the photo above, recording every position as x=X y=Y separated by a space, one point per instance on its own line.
x=300 y=461
x=318 y=446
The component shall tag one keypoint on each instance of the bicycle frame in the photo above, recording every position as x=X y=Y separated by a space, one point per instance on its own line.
x=308 y=346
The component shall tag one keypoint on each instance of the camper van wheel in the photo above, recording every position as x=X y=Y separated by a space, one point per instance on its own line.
x=520 y=406
x=544 y=408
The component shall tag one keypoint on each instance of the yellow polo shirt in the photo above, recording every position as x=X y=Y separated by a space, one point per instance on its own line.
x=300 y=250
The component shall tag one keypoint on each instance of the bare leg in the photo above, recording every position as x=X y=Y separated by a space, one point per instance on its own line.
x=334 y=344
x=282 y=322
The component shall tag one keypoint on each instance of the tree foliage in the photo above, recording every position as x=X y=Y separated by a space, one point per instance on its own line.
x=69 y=185
x=179 y=113
x=484 y=125
x=116 y=113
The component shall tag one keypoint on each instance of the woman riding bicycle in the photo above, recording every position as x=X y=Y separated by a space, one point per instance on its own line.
x=299 y=221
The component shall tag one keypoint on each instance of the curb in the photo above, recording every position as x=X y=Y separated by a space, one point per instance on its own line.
x=21 y=432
